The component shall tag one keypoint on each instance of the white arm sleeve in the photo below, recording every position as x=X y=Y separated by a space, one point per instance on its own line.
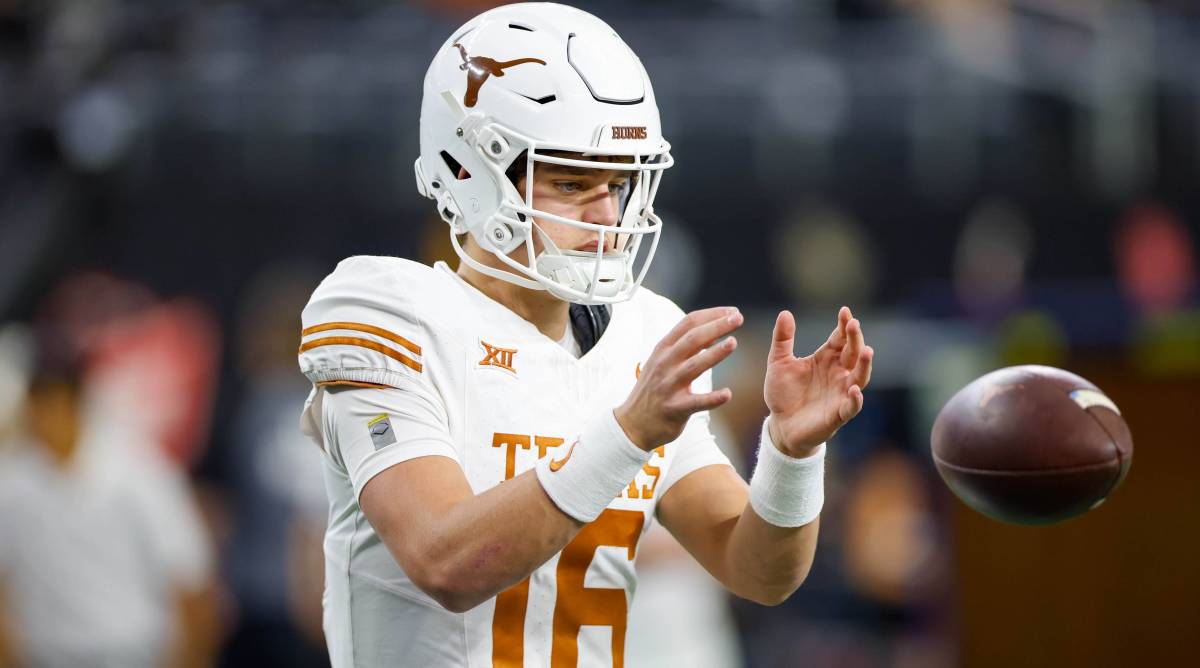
x=369 y=430
x=696 y=447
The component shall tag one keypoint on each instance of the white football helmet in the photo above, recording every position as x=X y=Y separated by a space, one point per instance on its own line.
x=528 y=82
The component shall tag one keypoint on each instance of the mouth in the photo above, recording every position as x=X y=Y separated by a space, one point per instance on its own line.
x=589 y=247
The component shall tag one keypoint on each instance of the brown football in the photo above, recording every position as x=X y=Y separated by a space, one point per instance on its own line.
x=1031 y=445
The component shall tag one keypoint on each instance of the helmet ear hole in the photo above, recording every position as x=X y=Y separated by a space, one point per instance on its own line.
x=455 y=167
x=449 y=212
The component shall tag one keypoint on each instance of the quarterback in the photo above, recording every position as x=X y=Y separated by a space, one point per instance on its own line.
x=497 y=437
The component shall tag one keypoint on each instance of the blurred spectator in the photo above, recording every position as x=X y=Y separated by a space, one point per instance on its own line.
x=14 y=376
x=979 y=34
x=274 y=562
x=1155 y=260
x=893 y=550
x=103 y=557
x=991 y=260
x=824 y=257
x=1032 y=337
x=160 y=370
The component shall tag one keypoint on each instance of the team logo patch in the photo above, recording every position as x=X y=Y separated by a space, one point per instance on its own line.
x=380 y=428
x=498 y=357
x=480 y=68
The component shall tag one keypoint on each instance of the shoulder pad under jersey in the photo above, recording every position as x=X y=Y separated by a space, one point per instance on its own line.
x=657 y=313
x=363 y=324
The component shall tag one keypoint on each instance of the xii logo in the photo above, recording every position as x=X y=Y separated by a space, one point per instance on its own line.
x=498 y=357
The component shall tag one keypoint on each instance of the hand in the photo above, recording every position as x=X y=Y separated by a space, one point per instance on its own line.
x=662 y=400
x=810 y=398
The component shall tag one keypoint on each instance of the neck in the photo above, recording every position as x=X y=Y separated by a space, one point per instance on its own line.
x=540 y=308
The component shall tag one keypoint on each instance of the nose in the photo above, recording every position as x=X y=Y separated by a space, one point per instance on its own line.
x=601 y=209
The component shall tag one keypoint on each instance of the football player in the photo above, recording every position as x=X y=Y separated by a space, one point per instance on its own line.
x=497 y=437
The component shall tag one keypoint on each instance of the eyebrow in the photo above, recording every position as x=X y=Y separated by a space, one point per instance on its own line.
x=569 y=169
x=581 y=171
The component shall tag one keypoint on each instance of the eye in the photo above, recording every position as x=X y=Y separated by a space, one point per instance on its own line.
x=617 y=187
x=568 y=186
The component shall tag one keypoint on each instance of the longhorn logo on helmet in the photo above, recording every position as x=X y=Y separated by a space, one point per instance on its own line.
x=480 y=68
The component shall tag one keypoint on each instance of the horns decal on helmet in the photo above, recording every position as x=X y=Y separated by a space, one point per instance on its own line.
x=479 y=68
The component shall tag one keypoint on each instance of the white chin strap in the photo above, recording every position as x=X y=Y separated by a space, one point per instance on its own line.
x=569 y=273
x=576 y=270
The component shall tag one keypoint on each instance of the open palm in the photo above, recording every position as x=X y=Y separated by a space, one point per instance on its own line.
x=811 y=397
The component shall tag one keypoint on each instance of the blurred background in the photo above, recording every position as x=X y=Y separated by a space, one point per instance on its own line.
x=985 y=182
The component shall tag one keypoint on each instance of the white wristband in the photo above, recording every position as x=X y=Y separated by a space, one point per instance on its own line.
x=786 y=491
x=584 y=478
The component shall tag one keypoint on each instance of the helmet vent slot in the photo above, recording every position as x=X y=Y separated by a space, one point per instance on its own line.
x=547 y=99
x=518 y=26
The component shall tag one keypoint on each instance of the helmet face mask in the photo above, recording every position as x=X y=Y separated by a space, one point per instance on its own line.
x=480 y=121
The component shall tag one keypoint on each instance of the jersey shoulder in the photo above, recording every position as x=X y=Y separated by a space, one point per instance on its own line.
x=651 y=316
x=371 y=322
x=658 y=314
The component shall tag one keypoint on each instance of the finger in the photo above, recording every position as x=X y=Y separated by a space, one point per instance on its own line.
x=691 y=320
x=854 y=344
x=694 y=403
x=705 y=360
x=851 y=405
x=861 y=375
x=837 y=339
x=703 y=336
x=783 y=339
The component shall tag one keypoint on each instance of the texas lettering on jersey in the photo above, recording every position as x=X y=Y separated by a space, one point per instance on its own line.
x=512 y=443
x=614 y=528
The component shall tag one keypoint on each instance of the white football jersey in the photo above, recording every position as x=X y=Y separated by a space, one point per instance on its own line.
x=438 y=368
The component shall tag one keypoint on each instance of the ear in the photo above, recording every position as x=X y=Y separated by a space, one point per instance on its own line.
x=463 y=173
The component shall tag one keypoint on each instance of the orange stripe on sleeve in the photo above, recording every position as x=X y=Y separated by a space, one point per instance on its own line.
x=362 y=343
x=350 y=383
x=369 y=329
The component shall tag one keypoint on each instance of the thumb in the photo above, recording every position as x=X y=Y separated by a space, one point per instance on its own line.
x=783 y=338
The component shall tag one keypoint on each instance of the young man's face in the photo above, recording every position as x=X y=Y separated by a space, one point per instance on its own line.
x=579 y=193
